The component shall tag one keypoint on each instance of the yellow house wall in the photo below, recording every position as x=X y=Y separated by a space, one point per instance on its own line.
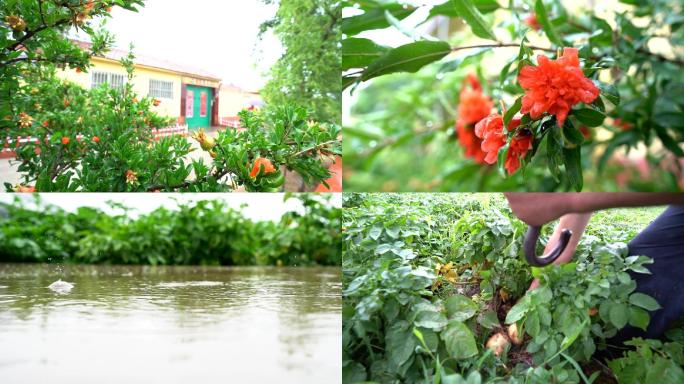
x=232 y=101
x=141 y=82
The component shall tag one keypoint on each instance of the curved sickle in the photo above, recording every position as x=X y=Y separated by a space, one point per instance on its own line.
x=530 y=246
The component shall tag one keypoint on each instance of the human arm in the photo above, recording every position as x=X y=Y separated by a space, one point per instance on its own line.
x=541 y=208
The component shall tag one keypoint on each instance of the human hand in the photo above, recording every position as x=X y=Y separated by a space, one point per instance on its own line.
x=540 y=208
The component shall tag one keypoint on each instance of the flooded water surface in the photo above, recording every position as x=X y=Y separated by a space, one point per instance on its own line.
x=123 y=324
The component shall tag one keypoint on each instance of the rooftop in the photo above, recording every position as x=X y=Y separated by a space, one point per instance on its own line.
x=149 y=61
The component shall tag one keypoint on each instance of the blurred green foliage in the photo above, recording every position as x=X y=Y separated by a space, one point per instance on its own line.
x=399 y=135
x=206 y=232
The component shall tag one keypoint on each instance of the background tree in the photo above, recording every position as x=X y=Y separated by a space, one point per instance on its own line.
x=308 y=71
x=34 y=32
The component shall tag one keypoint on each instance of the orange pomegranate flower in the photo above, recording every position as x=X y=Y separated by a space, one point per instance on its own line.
x=131 y=177
x=15 y=22
x=490 y=130
x=24 y=188
x=532 y=22
x=268 y=167
x=473 y=107
x=554 y=86
x=25 y=120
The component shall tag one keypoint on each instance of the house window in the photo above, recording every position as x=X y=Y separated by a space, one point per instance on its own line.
x=114 y=80
x=163 y=89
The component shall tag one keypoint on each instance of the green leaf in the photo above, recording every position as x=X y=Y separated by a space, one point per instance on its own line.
x=375 y=231
x=572 y=332
x=639 y=318
x=644 y=301
x=407 y=58
x=554 y=150
x=543 y=18
x=358 y=53
x=431 y=320
x=449 y=9
x=668 y=141
x=349 y=80
x=459 y=341
x=517 y=312
x=399 y=343
x=572 y=134
x=618 y=315
x=373 y=19
x=460 y=307
x=573 y=166
x=589 y=117
x=393 y=231
x=466 y=9
x=604 y=35
x=353 y=373
x=532 y=324
x=610 y=92
x=515 y=108
x=488 y=319
x=599 y=105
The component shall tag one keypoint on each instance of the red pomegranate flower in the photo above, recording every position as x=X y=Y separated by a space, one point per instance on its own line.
x=490 y=130
x=532 y=22
x=554 y=86
x=471 y=143
x=473 y=107
x=65 y=141
x=625 y=126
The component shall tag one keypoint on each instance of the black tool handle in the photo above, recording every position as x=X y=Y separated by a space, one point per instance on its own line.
x=530 y=246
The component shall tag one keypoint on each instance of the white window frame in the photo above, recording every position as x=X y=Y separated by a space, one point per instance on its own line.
x=114 y=80
x=160 y=89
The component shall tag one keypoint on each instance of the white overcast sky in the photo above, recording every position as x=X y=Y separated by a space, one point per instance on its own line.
x=219 y=36
x=260 y=206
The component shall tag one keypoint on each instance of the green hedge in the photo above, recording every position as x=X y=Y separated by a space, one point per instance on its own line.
x=205 y=232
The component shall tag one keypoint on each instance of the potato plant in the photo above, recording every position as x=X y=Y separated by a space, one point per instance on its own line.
x=205 y=232
x=434 y=291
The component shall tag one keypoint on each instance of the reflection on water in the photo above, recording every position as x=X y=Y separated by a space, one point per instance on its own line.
x=122 y=324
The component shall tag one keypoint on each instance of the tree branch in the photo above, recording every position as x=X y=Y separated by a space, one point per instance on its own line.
x=315 y=147
x=501 y=45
